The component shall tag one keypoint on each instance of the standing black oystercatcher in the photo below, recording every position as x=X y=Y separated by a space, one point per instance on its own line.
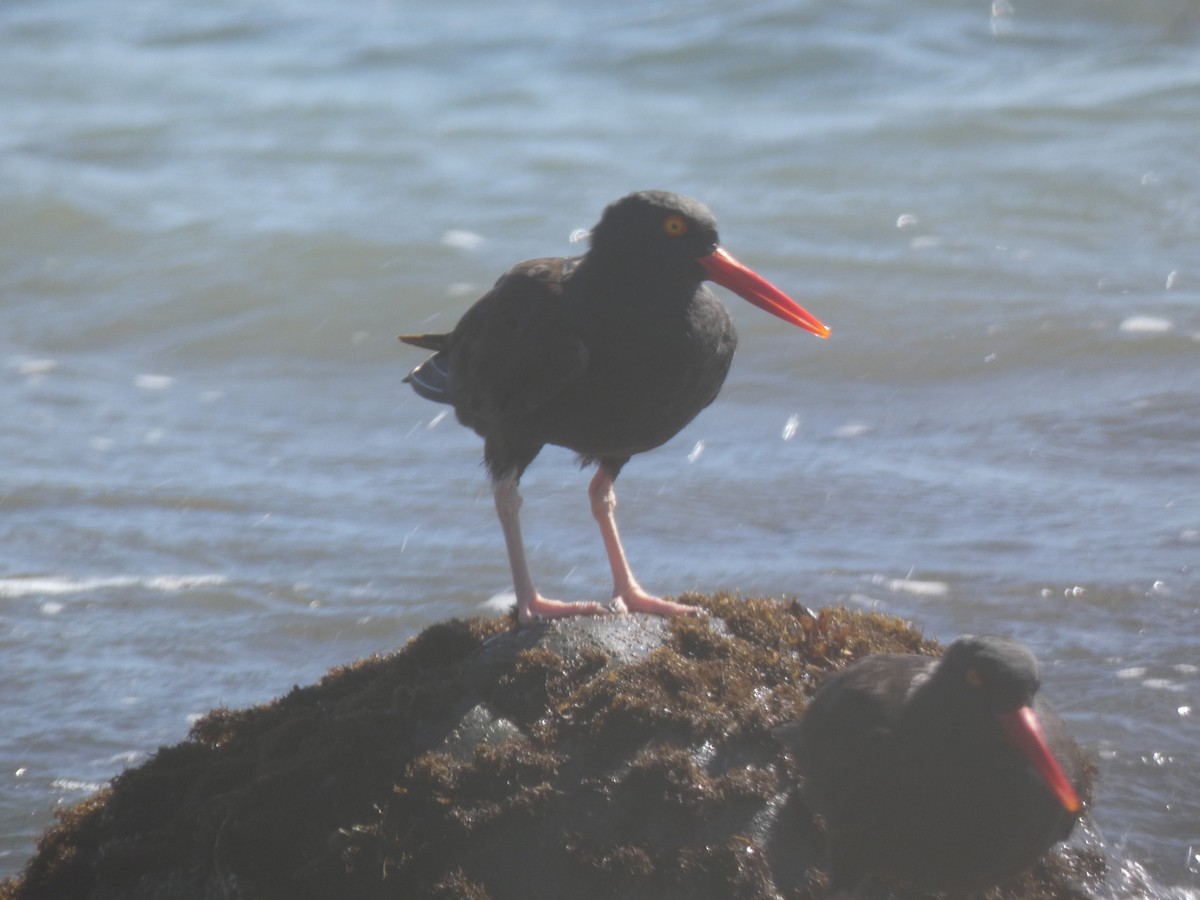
x=943 y=774
x=608 y=354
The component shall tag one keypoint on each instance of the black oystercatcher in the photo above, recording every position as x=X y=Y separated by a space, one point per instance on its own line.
x=943 y=774
x=608 y=354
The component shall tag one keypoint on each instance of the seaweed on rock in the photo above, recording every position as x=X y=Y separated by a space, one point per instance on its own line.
x=622 y=757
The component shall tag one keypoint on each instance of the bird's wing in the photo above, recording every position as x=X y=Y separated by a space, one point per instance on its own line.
x=845 y=738
x=516 y=348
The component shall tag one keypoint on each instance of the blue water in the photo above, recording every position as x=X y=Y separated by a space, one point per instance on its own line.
x=215 y=218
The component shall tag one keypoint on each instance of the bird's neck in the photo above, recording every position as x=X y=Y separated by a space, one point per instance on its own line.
x=637 y=286
x=936 y=706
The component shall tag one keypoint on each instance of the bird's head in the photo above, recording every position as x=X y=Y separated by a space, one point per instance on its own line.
x=1001 y=676
x=672 y=237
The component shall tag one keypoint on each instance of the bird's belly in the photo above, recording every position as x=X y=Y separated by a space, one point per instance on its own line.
x=624 y=409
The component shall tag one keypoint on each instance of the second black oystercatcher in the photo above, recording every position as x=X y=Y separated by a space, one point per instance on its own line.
x=607 y=354
x=942 y=774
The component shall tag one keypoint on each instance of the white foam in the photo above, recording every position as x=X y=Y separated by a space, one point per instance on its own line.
x=75 y=785
x=171 y=583
x=1163 y=684
x=128 y=758
x=149 y=382
x=1146 y=325
x=462 y=240
x=500 y=603
x=30 y=367
x=54 y=585
x=1132 y=672
x=873 y=604
x=851 y=430
x=912 y=586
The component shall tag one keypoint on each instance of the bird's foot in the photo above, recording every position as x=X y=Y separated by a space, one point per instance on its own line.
x=637 y=600
x=539 y=609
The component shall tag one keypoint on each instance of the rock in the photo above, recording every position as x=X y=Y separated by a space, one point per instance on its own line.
x=622 y=757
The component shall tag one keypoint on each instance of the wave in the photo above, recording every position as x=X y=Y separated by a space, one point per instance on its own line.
x=54 y=585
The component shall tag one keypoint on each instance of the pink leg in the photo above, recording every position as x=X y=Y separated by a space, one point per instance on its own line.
x=627 y=593
x=531 y=606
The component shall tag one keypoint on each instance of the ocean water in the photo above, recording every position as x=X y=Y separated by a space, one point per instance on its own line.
x=215 y=218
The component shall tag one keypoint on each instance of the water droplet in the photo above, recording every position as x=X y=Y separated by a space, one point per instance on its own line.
x=696 y=451
x=1001 y=18
x=790 y=427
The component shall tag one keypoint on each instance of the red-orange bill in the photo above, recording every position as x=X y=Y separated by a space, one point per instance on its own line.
x=1023 y=730
x=726 y=271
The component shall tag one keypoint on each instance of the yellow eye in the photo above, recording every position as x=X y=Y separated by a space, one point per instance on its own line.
x=675 y=226
x=974 y=679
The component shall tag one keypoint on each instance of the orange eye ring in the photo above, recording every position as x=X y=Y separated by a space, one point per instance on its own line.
x=675 y=226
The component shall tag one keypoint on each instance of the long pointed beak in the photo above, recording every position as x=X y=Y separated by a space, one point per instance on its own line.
x=1023 y=730
x=726 y=271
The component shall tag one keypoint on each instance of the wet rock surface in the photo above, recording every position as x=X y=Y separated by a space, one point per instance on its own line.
x=620 y=757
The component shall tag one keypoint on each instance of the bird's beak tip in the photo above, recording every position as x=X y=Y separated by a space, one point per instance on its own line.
x=723 y=269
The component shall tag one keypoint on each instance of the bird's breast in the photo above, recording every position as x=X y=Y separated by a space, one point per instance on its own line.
x=648 y=376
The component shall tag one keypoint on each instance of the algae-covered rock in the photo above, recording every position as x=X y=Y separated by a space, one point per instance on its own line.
x=618 y=757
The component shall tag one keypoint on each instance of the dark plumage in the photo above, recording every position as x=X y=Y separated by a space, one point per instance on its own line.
x=944 y=774
x=608 y=354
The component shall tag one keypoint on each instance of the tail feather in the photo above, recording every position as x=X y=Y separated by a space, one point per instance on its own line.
x=435 y=342
x=431 y=379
